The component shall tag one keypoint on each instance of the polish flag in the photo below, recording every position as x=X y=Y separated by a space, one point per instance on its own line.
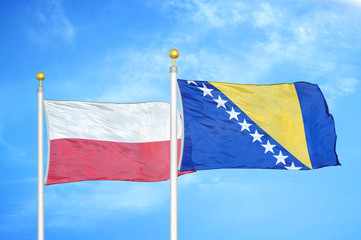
x=108 y=141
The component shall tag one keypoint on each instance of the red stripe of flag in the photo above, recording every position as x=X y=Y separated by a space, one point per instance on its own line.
x=73 y=160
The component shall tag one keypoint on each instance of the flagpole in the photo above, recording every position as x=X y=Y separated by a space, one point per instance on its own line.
x=40 y=76
x=173 y=148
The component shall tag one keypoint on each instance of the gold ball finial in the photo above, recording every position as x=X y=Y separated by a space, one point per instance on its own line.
x=40 y=76
x=174 y=55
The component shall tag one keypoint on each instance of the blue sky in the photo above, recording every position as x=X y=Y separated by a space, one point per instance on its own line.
x=118 y=51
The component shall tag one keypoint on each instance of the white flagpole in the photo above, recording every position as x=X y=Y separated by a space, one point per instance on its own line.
x=173 y=148
x=40 y=76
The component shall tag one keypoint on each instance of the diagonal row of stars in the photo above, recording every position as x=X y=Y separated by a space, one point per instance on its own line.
x=245 y=126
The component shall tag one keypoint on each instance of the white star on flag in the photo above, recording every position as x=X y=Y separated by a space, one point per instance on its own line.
x=280 y=158
x=268 y=147
x=293 y=167
x=220 y=102
x=233 y=114
x=206 y=91
x=190 y=81
x=245 y=125
x=256 y=136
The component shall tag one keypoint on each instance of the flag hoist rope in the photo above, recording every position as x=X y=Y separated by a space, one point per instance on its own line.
x=173 y=148
x=40 y=76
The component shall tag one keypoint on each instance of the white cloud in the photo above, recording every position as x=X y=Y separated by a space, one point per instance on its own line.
x=306 y=41
x=287 y=38
x=353 y=2
x=212 y=187
x=132 y=76
x=86 y=203
x=52 y=24
x=348 y=85
x=210 y=13
x=338 y=88
x=311 y=42
x=218 y=15
x=268 y=16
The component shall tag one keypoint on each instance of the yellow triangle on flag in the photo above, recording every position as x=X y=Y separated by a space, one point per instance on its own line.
x=275 y=109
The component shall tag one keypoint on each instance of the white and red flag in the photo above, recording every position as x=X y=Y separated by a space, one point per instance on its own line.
x=108 y=141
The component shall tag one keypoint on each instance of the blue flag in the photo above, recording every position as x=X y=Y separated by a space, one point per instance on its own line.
x=281 y=126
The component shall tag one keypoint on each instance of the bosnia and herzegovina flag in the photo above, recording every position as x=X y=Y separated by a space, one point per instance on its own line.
x=281 y=126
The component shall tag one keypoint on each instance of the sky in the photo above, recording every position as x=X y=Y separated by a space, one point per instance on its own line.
x=117 y=51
